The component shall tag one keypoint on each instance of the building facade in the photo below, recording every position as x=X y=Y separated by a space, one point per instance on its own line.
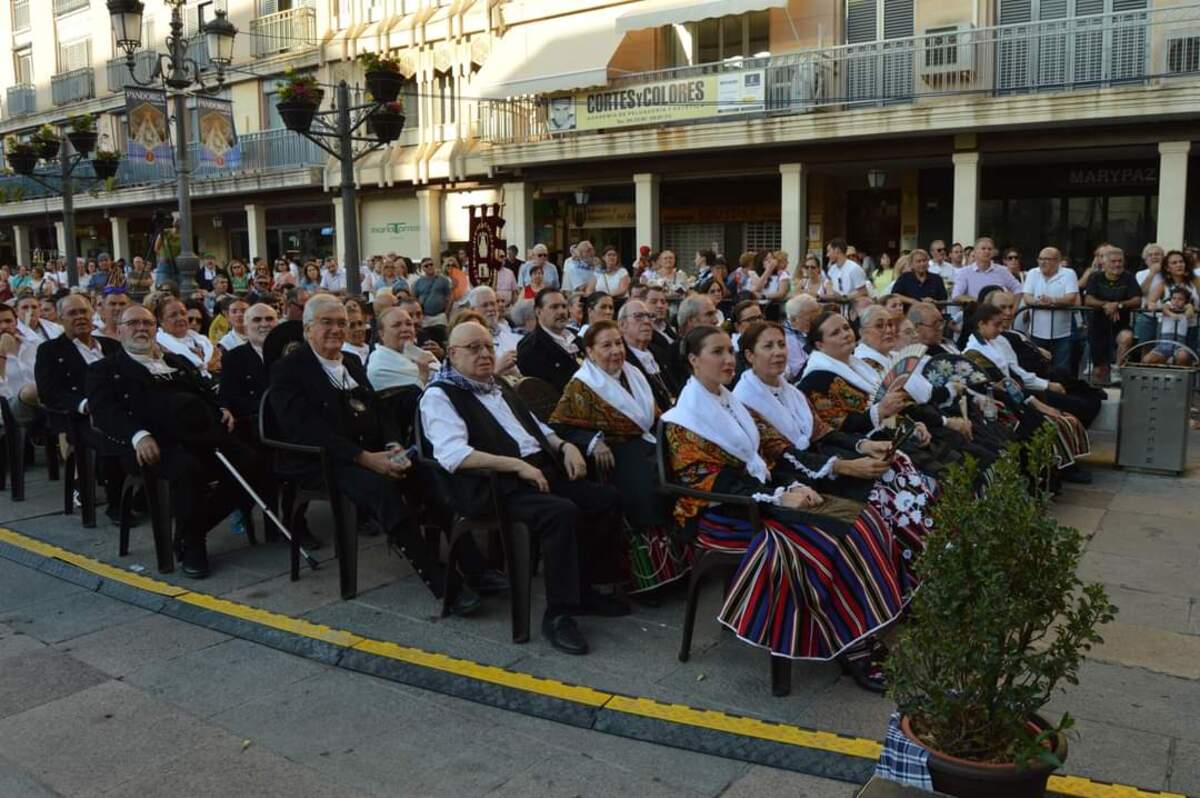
x=725 y=124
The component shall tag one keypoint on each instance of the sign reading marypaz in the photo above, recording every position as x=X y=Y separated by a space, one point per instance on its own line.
x=683 y=99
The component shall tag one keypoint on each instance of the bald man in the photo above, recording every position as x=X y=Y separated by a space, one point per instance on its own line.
x=243 y=374
x=472 y=421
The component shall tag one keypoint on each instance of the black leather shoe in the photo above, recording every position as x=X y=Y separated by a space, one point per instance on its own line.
x=195 y=561
x=608 y=606
x=467 y=602
x=866 y=674
x=489 y=583
x=563 y=633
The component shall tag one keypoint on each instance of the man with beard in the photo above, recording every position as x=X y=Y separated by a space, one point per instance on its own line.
x=550 y=352
x=160 y=405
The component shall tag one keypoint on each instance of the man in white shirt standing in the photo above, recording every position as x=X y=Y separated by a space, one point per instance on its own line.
x=472 y=421
x=940 y=265
x=847 y=277
x=579 y=269
x=1046 y=287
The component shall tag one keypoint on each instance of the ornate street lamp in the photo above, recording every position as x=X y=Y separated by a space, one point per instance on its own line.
x=178 y=73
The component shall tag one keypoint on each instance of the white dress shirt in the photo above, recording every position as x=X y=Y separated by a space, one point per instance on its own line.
x=1031 y=381
x=90 y=354
x=337 y=373
x=646 y=358
x=333 y=281
x=1049 y=324
x=46 y=331
x=362 y=352
x=231 y=340
x=18 y=371
x=447 y=432
x=847 y=278
x=504 y=339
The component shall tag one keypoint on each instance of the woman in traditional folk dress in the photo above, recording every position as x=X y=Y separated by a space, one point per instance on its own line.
x=829 y=461
x=608 y=410
x=992 y=354
x=809 y=586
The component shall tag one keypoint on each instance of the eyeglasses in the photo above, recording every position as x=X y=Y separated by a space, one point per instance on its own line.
x=138 y=323
x=642 y=316
x=478 y=348
x=751 y=319
x=1012 y=257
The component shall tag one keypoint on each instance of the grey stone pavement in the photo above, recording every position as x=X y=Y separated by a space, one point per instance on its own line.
x=1137 y=706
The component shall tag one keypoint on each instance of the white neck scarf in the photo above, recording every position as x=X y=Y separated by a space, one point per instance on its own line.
x=989 y=350
x=636 y=404
x=872 y=355
x=784 y=407
x=721 y=420
x=184 y=348
x=855 y=372
x=646 y=358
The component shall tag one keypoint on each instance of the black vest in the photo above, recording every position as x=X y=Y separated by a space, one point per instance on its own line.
x=469 y=491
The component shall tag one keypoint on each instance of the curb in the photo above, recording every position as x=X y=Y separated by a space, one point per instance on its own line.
x=809 y=751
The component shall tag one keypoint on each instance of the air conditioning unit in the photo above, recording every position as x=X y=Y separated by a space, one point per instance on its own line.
x=947 y=53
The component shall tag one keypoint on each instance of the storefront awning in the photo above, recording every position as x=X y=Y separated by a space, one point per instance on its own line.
x=567 y=52
x=657 y=13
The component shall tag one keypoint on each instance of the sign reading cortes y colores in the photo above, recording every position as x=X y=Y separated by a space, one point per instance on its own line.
x=683 y=99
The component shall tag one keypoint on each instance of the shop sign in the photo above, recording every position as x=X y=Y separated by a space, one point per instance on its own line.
x=611 y=214
x=394 y=229
x=1107 y=176
x=684 y=99
x=700 y=214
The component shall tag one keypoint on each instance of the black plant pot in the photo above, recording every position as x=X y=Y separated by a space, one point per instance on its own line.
x=23 y=163
x=105 y=168
x=49 y=149
x=384 y=85
x=386 y=125
x=297 y=116
x=84 y=141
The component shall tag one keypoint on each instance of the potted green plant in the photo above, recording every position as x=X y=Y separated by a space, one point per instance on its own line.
x=387 y=120
x=22 y=155
x=1000 y=622
x=382 y=77
x=106 y=163
x=299 y=98
x=47 y=140
x=82 y=134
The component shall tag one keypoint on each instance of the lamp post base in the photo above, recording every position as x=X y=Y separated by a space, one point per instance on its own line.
x=187 y=266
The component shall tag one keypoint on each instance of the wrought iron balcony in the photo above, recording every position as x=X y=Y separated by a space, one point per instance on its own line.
x=69 y=87
x=284 y=32
x=22 y=100
x=1085 y=52
x=118 y=72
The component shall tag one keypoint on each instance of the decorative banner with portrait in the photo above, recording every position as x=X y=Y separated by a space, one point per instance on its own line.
x=146 y=110
x=487 y=247
x=218 y=139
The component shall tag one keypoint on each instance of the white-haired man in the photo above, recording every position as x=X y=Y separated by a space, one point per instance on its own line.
x=484 y=300
x=541 y=256
x=799 y=311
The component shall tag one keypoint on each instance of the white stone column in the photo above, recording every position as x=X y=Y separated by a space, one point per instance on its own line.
x=339 y=224
x=429 y=213
x=964 y=228
x=22 y=245
x=120 y=238
x=1172 y=192
x=518 y=216
x=646 y=210
x=793 y=211
x=60 y=235
x=256 y=232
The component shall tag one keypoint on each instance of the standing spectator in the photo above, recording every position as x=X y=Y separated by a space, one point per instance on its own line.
x=579 y=270
x=432 y=291
x=239 y=278
x=773 y=283
x=1051 y=286
x=666 y=274
x=506 y=279
x=311 y=280
x=1012 y=262
x=140 y=280
x=884 y=275
x=452 y=267
x=1116 y=294
x=537 y=281
x=100 y=279
x=114 y=302
x=919 y=283
x=612 y=278
x=540 y=256
x=971 y=281
x=333 y=279
x=847 y=278
x=283 y=278
x=811 y=279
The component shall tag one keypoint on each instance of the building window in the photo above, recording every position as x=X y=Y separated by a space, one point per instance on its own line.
x=685 y=240
x=23 y=65
x=270 y=116
x=74 y=55
x=1183 y=54
x=447 y=112
x=763 y=235
x=20 y=15
x=720 y=39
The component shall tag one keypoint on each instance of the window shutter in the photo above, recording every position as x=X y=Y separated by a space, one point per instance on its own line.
x=267 y=7
x=861 y=24
x=897 y=19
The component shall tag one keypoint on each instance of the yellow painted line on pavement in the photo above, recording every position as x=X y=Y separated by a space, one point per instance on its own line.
x=487 y=673
x=1074 y=786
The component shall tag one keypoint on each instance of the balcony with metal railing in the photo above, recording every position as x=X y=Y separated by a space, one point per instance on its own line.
x=1086 y=52
x=73 y=86
x=118 y=77
x=288 y=31
x=20 y=15
x=67 y=6
x=22 y=100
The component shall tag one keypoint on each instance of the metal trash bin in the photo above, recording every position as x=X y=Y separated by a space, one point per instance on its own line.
x=1153 y=424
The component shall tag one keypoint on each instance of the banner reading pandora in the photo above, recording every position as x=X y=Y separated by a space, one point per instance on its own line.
x=679 y=100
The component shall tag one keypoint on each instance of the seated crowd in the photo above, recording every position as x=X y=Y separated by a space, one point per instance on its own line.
x=812 y=445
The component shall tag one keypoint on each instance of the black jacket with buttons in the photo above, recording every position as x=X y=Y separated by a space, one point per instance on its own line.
x=124 y=398
x=243 y=382
x=539 y=355
x=61 y=375
x=310 y=410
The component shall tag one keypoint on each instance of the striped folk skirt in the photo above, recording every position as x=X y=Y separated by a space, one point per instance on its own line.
x=805 y=593
x=1071 y=441
x=654 y=558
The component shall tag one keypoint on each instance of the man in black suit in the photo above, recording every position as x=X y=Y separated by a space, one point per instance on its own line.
x=665 y=340
x=321 y=398
x=637 y=328
x=243 y=374
x=161 y=406
x=60 y=372
x=550 y=352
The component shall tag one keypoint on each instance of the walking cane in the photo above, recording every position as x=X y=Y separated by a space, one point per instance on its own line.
x=308 y=558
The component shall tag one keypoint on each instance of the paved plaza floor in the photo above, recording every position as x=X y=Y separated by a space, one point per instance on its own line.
x=1137 y=706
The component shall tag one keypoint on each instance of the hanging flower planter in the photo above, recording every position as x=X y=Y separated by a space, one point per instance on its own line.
x=296 y=115
x=299 y=99
x=23 y=163
x=106 y=164
x=84 y=141
x=387 y=122
x=382 y=77
x=48 y=148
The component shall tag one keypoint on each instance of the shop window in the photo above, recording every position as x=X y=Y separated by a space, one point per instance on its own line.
x=686 y=239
